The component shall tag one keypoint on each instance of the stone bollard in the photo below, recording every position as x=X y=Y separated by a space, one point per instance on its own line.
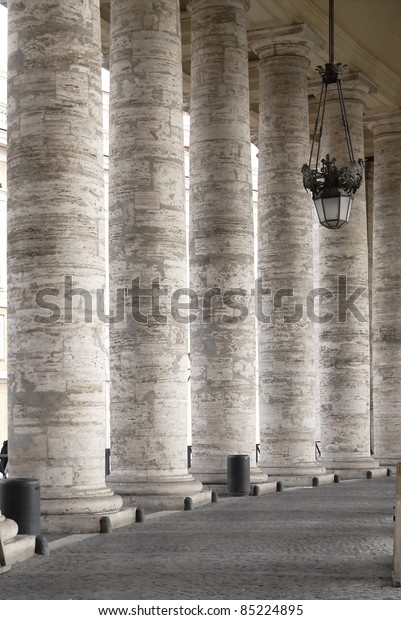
x=139 y=515
x=188 y=503
x=41 y=545
x=397 y=530
x=105 y=525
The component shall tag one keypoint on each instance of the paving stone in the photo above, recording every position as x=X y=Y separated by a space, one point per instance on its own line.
x=328 y=542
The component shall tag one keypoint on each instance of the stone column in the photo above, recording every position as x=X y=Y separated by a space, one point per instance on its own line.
x=285 y=257
x=386 y=302
x=369 y=172
x=344 y=339
x=148 y=349
x=316 y=310
x=221 y=241
x=56 y=354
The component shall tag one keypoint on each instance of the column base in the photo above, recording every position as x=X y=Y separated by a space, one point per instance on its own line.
x=354 y=468
x=302 y=474
x=305 y=481
x=16 y=548
x=103 y=503
x=81 y=512
x=156 y=503
x=388 y=463
x=261 y=487
x=219 y=478
x=159 y=494
x=85 y=523
x=217 y=481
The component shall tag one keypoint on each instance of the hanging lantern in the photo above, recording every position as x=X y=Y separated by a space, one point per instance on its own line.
x=332 y=188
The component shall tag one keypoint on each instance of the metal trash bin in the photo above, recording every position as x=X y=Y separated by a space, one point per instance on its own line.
x=238 y=474
x=20 y=501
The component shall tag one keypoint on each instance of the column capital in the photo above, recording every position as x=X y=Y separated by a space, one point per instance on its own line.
x=293 y=40
x=385 y=123
x=356 y=85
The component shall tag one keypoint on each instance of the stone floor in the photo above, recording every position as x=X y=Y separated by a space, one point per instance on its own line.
x=328 y=542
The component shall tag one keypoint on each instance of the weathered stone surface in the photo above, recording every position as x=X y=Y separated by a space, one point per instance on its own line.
x=344 y=340
x=285 y=255
x=397 y=530
x=221 y=241
x=8 y=529
x=369 y=174
x=386 y=293
x=148 y=351
x=13 y=548
x=55 y=227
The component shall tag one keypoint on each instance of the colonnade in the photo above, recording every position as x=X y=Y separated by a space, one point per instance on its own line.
x=56 y=263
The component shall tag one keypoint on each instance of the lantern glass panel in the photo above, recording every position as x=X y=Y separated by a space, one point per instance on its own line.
x=333 y=211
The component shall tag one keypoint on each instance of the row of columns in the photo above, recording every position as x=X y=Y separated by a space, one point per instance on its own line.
x=57 y=356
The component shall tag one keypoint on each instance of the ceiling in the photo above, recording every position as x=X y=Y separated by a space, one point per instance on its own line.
x=367 y=39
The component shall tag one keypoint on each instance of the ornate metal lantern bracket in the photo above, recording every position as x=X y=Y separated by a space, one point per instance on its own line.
x=329 y=178
x=332 y=188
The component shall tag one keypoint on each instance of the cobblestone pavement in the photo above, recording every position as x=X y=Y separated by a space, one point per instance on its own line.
x=329 y=542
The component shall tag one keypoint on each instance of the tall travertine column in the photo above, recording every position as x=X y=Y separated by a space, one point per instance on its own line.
x=285 y=256
x=369 y=172
x=148 y=350
x=386 y=302
x=56 y=354
x=315 y=244
x=221 y=241
x=344 y=340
